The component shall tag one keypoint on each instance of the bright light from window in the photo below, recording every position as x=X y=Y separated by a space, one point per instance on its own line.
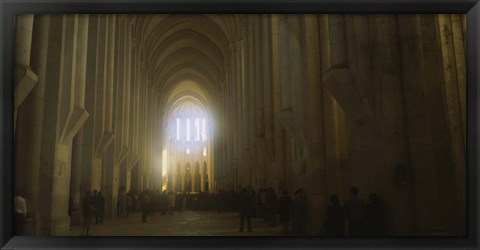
x=205 y=151
x=188 y=151
x=178 y=129
x=197 y=127
x=188 y=129
x=204 y=130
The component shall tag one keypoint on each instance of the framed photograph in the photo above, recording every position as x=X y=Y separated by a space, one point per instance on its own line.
x=267 y=124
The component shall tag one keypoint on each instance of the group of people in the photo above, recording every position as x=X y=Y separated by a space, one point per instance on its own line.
x=93 y=208
x=151 y=202
x=364 y=219
x=266 y=205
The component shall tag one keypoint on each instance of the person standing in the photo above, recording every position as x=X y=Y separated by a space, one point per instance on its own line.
x=122 y=203
x=335 y=221
x=171 y=203
x=355 y=214
x=146 y=202
x=271 y=200
x=245 y=207
x=299 y=212
x=95 y=209
x=20 y=213
x=285 y=210
x=100 y=207
x=88 y=212
x=375 y=216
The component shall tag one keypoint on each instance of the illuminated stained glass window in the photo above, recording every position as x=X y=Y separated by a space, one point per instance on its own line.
x=205 y=151
x=197 y=128
x=178 y=129
x=188 y=151
x=204 y=130
x=188 y=129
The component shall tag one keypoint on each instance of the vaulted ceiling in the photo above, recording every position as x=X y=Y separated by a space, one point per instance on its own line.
x=187 y=54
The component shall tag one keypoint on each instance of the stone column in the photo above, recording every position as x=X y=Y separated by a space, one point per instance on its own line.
x=121 y=151
x=49 y=124
x=128 y=82
x=266 y=22
x=90 y=178
x=316 y=169
x=30 y=119
x=454 y=91
x=419 y=136
x=239 y=110
x=277 y=171
x=459 y=38
x=331 y=131
x=98 y=169
x=338 y=53
x=394 y=116
x=108 y=163
x=110 y=71
x=258 y=78
x=24 y=78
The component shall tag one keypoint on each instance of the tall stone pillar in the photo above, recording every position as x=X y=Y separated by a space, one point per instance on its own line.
x=63 y=117
x=316 y=169
x=453 y=55
x=90 y=180
x=239 y=111
x=419 y=136
x=49 y=125
x=401 y=217
x=99 y=112
x=128 y=82
x=121 y=151
x=24 y=78
x=277 y=170
x=331 y=123
x=258 y=86
x=268 y=96
x=108 y=158
x=250 y=151
x=30 y=116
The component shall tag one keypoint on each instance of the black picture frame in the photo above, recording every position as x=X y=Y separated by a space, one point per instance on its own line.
x=9 y=8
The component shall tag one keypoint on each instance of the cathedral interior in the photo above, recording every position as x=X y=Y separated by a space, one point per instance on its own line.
x=203 y=103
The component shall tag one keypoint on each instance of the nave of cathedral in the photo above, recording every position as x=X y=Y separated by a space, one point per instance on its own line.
x=213 y=103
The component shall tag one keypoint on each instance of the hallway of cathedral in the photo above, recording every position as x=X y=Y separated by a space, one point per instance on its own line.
x=186 y=223
x=133 y=105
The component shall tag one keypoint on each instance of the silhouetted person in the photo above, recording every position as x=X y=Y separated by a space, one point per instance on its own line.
x=285 y=210
x=100 y=203
x=355 y=214
x=122 y=203
x=70 y=206
x=128 y=204
x=222 y=198
x=95 y=209
x=271 y=200
x=245 y=208
x=171 y=203
x=146 y=203
x=335 y=221
x=299 y=212
x=20 y=213
x=263 y=201
x=88 y=212
x=164 y=202
x=375 y=216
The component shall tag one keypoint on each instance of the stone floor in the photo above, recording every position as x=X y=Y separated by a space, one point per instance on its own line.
x=185 y=223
